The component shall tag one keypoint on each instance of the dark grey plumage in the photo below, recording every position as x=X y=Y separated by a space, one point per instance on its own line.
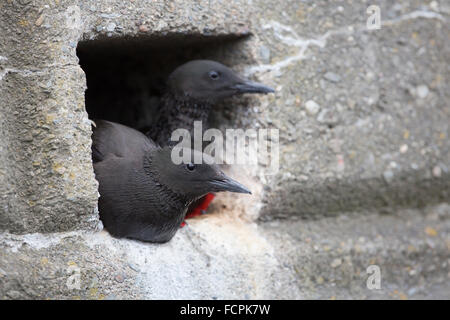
x=192 y=90
x=143 y=194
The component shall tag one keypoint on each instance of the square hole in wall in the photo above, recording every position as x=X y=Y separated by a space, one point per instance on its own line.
x=126 y=76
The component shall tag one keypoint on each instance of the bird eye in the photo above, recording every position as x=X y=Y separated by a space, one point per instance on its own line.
x=214 y=75
x=190 y=166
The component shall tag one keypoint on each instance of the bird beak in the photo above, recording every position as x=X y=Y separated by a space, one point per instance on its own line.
x=247 y=86
x=228 y=184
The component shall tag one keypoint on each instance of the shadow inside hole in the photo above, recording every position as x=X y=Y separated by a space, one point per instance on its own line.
x=126 y=77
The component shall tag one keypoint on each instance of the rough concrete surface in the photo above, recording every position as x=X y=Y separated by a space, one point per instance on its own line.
x=221 y=258
x=364 y=175
x=382 y=123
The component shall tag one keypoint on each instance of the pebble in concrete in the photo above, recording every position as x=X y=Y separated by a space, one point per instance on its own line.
x=332 y=77
x=422 y=91
x=312 y=108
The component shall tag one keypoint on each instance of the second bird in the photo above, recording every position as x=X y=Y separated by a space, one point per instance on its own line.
x=192 y=89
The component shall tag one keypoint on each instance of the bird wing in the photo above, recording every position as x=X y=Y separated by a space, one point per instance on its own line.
x=119 y=140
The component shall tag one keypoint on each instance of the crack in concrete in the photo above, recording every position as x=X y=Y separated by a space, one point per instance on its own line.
x=294 y=40
x=36 y=241
x=5 y=71
x=41 y=71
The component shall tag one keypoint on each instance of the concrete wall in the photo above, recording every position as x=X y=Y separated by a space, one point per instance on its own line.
x=47 y=178
x=364 y=151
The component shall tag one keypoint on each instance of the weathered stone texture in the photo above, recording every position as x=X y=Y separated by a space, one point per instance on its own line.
x=364 y=152
x=379 y=127
x=46 y=169
x=221 y=258
x=48 y=182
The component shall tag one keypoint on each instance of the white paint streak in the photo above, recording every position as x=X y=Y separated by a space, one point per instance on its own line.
x=35 y=241
x=288 y=36
x=5 y=71
x=414 y=15
x=42 y=71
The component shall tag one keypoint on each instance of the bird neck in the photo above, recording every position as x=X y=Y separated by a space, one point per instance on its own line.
x=178 y=113
x=169 y=198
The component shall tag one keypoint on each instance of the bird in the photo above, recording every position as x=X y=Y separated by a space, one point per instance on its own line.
x=144 y=195
x=192 y=90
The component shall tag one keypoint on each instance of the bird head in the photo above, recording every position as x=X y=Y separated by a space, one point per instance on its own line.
x=206 y=80
x=189 y=179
